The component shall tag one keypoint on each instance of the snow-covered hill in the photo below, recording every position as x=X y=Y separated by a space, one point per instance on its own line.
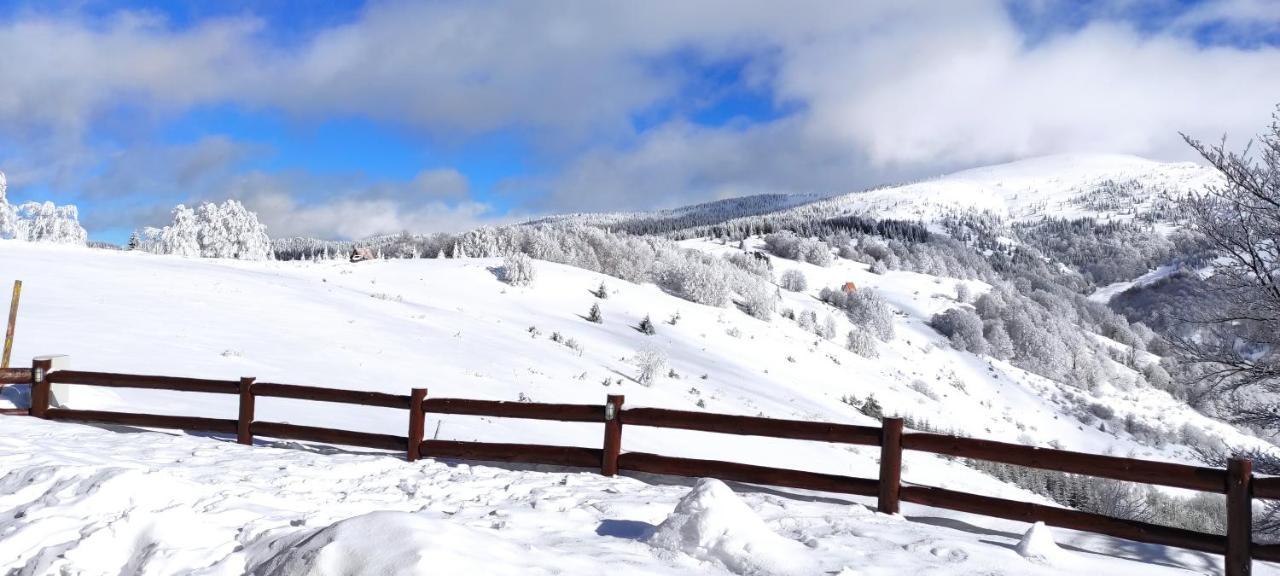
x=453 y=326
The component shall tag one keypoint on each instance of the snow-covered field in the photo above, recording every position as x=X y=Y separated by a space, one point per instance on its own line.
x=82 y=500
x=455 y=328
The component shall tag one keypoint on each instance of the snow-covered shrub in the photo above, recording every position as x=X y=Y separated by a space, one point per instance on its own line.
x=794 y=281
x=226 y=230
x=593 y=315
x=962 y=292
x=963 y=327
x=602 y=292
x=862 y=343
x=517 y=269
x=646 y=326
x=759 y=301
x=787 y=245
x=650 y=362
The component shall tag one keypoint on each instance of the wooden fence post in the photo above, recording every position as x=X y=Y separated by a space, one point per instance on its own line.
x=612 y=434
x=40 y=387
x=890 y=465
x=417 y=423
x=244 y=423
x=1238 y=561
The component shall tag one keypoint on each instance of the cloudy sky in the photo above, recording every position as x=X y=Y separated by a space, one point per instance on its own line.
x=344 y=119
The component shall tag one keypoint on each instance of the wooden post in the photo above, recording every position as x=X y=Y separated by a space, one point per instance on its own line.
x=1237 y=561
x=244 y=424
x=13 y=321
x=890 y=465
x=612 y=434
x=40 y=387
x=417 y=422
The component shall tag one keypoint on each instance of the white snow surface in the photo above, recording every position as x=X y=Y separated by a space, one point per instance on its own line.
x=1037 y=545
x=452 y=326
x=83 y=500
x=711 y=523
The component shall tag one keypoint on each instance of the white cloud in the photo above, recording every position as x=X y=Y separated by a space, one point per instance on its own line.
x=882 y=91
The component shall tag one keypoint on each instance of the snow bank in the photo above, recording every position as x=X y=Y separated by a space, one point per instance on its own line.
x=394 y=544
x=1037 y=545
x=711 y=523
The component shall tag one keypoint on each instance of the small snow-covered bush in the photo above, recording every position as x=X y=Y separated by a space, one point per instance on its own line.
x=646 y=326
x=651 y=362
x=794 y=281
x=593 y=315
x=517 y=269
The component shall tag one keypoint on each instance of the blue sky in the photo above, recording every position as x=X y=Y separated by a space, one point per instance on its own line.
x=343 y=119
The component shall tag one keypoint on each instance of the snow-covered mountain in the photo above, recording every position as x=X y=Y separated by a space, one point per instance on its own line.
x=1026 y=358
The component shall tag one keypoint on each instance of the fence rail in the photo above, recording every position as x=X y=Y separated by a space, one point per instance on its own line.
x=1236 y=481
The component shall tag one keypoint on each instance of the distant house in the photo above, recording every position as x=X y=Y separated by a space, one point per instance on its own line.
x=850 y=288
x=362 y=254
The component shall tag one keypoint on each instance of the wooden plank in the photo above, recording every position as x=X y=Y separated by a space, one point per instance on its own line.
x=1129 y=469
x=329 y=436
x=890 y=465
x=1065 y=518
x=1267 y=552
x=15 y=411
x=322 y=394
x=1237 y=561
x=15 y=376
x=695 y=468
x=526 y=410
x=1266 y=488
x=110 y=380
x=144 y=420
x=612 y=434
x=526 y=453
x=417 y=424
x=752 y=426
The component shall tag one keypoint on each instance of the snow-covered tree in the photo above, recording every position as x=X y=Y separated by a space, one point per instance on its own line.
x=646 y=326
x=794 y=281
x=594 y=315
x=517 y=269
x=226 y=230
x=862 y=343
x=651 y=362
x=39 y=221
x=963 y=327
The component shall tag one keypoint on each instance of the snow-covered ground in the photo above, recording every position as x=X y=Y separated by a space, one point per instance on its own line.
x=455 y=328
x=82 y=500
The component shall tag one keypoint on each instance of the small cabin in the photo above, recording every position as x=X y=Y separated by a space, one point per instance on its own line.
x=362 y=254
x=850 y=288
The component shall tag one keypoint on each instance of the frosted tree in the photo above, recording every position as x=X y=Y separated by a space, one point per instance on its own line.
x=794 y=281
x=646 y=326
x=962 y=292
x=182 y=237
x=517 y=269
x=999 y=345
x=594 y=314
x=230 y=230
x=602 y=292
x=963 y=327
x=39 y=221
x=862 y=343
x=651 y=362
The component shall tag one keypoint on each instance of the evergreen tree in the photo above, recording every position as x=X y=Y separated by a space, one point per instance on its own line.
x=646 y=326
x=133 y=241
x=594 y=314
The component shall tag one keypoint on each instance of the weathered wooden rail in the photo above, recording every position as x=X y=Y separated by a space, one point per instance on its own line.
x=1236 y=481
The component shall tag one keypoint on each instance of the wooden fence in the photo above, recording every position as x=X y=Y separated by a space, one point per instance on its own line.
x=1236 y=481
